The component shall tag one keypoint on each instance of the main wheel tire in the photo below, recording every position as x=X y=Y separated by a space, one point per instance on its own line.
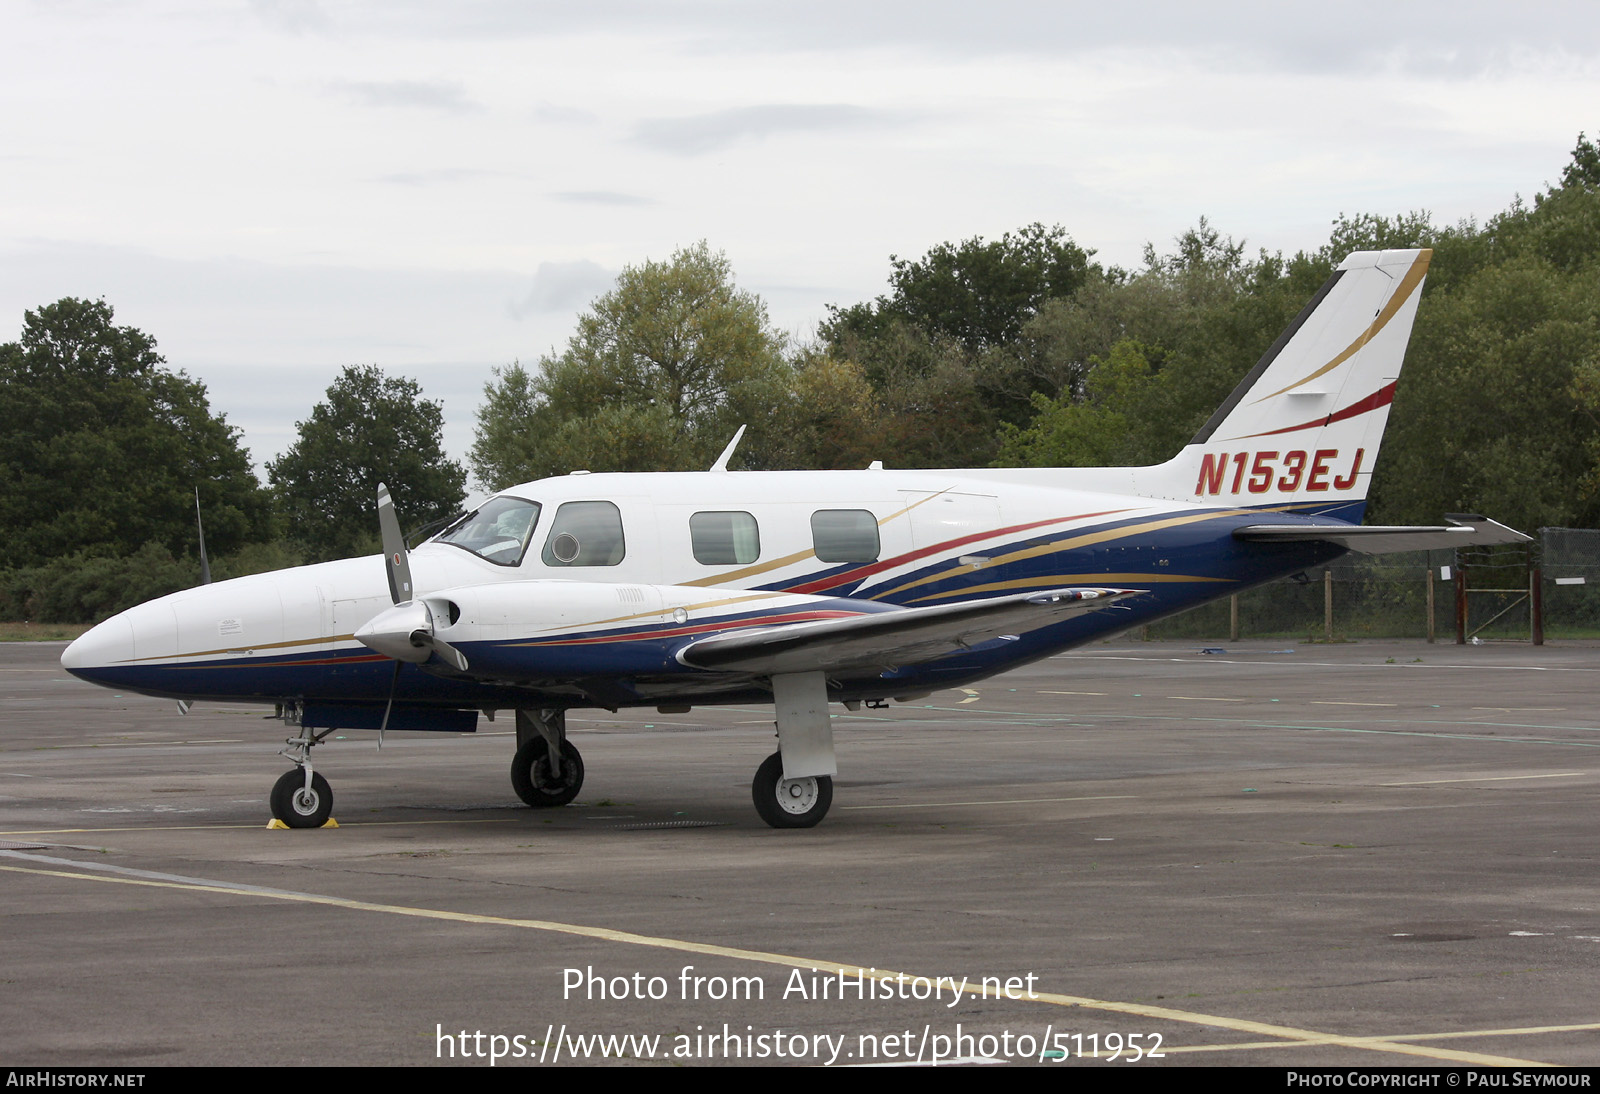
x=298 y=807
x=790 y=803
x=531 y=778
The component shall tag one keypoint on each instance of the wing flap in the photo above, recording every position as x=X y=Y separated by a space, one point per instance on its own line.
x=1462 y=531
x=891 y=639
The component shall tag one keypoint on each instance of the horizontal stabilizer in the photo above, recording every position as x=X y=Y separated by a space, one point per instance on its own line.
x=886 y=640
x=1466 y=531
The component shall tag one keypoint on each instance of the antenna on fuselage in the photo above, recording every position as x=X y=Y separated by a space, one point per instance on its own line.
x=205 y=564
x=727 y=453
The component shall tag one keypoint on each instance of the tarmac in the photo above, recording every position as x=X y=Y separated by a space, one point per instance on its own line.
x=1136 y=854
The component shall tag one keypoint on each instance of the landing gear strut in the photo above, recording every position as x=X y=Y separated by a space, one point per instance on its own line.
x=793 y=787
x=547 y=770
x=302 y=798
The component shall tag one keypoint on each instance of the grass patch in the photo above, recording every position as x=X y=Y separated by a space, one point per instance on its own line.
x=41 y=632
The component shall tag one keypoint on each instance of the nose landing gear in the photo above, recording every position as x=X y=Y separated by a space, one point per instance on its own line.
x=302 y=798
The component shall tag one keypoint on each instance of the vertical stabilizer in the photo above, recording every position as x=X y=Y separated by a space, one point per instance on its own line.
x=1304 y=426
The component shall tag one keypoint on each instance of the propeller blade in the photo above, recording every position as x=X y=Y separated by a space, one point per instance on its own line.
x=449 y=654
x=394 y=548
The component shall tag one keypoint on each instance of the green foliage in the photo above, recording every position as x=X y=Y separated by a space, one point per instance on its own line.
x=826 y=416
x=1485 y=417
x=1141 y=361
x=1091 y=431
x=978 y=293
x=89 y=585
x=661 y=372
x=954 y=350
x=101 y=448
x=1583 y=173
x=371 y=429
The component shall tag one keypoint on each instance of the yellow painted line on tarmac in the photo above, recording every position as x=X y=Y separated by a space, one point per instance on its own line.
x=1007 y=801
x=972 y=697
x=1489 y=779
x=1289 y=1034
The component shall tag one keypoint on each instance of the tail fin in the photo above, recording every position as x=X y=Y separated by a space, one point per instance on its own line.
x=1304 y=426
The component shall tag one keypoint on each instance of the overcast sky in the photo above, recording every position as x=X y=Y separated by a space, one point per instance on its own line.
x=274 y=190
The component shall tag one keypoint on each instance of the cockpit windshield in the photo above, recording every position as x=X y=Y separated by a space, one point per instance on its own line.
x=499 y=530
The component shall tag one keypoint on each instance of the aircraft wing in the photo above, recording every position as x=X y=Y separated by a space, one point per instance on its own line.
x=1462 y=531
x=891 y=639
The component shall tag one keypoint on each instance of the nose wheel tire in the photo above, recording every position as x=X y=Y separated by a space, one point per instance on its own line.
x=299 y=807
x=533 y=781
x=790 y=803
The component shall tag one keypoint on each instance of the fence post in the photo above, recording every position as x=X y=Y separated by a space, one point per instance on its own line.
x=1536 y=605
x=1327 y=603
x=1233 y=618
x=1430 y=603
x=1461 y=604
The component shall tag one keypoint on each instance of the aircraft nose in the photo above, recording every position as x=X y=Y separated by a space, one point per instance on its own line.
x=100 y=647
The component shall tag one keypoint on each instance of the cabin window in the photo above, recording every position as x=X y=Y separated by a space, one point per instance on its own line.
x=498 y=531
x=724 y=539
x=845 y=535
x=585 y=533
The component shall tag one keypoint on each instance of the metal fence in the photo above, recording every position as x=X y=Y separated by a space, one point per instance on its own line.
x=1555 y=580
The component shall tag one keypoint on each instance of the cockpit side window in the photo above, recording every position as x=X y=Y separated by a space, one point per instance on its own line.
x=585 y=533
x=499 y=531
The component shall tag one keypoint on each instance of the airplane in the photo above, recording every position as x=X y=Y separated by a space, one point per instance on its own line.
x=796 y=588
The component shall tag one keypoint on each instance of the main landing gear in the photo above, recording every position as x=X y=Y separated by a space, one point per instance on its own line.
x=793 y=787
x=301 y=798
x=547 y=770
x=790 y=803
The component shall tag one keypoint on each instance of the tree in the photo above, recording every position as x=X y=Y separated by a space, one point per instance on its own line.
x=102 y=448
x=976 y=292
x=662 y=370
x=1092 y=431
x=1583 y=173
x=371 y=429
x=1126 y=370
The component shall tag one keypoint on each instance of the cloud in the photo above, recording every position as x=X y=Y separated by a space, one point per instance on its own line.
x=600 y=197
x=292 y=16
x=563 y=287
x=439 y=175
x=556 y=114
x=448 y=97
x=698 y=134
x=1460 y=38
